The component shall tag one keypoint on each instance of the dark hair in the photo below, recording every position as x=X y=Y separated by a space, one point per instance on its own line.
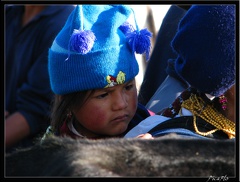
x=64 y=104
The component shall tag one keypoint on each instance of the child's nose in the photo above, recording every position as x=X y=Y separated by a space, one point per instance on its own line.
x=120 y=101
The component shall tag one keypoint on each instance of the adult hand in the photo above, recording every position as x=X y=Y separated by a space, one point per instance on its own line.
x=6 y=113
x=16 y=129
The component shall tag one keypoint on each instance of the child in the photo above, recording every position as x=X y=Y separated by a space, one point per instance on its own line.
x=92 y=67
x=205 y=45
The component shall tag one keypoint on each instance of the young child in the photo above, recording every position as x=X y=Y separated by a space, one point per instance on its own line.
x=92 y=69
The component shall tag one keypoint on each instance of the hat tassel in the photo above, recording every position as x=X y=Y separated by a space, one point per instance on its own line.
x=82 y=41
x=139 y=41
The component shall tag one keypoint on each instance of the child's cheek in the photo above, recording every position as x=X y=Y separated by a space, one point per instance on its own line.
x=98 y=117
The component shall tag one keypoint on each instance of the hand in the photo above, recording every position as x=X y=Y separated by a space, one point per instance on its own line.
x=6 y=113
x=16 y=129
x=145 y=136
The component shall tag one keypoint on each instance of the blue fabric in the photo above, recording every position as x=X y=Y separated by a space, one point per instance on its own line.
x=109 y=62
x=179 y=131
x=183 y=126
x=205 y=45
x=27 y=87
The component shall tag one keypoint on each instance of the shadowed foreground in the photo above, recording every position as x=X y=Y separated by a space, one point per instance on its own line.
x=165 y=157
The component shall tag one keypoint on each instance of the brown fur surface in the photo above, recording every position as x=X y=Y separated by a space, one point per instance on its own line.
x=163 y=157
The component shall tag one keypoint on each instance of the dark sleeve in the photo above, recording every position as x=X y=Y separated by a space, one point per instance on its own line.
x=35 y=95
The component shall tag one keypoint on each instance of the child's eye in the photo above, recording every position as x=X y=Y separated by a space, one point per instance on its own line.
x=101 y=96
x=129 y=87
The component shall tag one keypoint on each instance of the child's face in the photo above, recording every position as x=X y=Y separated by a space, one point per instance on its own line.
x=108 y=111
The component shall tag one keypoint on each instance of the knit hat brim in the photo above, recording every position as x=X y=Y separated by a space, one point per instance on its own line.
x=90 y=74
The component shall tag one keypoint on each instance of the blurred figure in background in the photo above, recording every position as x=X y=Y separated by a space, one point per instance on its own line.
x=30 y=30
x=156 y=73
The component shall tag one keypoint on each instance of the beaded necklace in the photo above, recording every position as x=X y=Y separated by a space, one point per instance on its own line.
x=202 y=107
x=207 y=112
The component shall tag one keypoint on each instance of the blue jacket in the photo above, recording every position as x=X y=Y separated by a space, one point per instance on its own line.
x=27 y=87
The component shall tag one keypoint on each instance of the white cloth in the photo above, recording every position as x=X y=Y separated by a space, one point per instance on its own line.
x=166 y=93
x=150 y=122
x=145 y=125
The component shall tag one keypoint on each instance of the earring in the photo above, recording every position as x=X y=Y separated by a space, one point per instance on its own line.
x=69 y=116
x=223 y=101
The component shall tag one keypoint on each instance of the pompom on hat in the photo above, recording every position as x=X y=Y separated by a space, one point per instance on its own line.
x=92 y=50
x=205 y=44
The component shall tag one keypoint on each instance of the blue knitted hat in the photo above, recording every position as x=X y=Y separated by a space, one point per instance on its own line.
x=205 y=44
x=95 y=49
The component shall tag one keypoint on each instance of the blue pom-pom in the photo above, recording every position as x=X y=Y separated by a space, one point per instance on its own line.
x=82 y=41
x=126 y=28
x=140 y=41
